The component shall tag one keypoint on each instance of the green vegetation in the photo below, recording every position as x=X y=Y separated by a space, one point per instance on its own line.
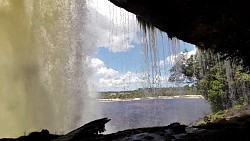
x=223 y=83
x=214 y=86
x=221 y=115
x=149 y=92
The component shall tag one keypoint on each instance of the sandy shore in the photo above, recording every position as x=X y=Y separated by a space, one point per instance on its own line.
x=149 y=98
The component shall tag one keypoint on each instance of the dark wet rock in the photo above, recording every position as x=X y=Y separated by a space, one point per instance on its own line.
x=236 y=128
x=89 y=131
x=44 y=135
x=171 y=132
x=220 y=25
x=177 y=128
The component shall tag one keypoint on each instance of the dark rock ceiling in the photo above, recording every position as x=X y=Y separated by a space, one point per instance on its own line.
x=221 y=25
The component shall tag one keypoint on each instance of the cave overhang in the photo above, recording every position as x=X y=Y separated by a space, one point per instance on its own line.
x=222 y=26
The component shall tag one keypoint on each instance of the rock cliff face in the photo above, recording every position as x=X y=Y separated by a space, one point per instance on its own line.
x=223 y=26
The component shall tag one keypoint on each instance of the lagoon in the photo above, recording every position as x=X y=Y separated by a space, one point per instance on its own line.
x=137 y=113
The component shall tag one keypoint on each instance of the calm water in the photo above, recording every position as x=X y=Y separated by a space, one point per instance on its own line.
x=154 y=112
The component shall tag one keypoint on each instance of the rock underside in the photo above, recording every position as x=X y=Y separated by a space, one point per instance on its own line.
x=221 y=25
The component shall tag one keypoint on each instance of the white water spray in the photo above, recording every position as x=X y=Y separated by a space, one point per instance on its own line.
x=44 y=75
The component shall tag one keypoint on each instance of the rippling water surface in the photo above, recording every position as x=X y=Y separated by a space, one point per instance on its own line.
x=153 y=112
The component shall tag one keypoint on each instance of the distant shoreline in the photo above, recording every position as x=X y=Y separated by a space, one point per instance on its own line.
x=159 y=97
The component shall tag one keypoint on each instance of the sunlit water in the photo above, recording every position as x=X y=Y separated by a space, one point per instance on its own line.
x=153 y=112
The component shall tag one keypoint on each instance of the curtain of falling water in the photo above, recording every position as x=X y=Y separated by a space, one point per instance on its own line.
x=155 y=44
x=44 y=76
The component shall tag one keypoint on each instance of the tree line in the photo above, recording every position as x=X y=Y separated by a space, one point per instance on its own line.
x=149 y=92
x=225 y=83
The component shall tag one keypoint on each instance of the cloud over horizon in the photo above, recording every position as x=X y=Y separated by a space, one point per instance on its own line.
x=110 y=79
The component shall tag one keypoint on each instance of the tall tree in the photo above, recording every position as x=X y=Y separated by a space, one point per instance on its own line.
x=222 y=82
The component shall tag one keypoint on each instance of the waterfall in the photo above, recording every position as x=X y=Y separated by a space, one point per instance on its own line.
x=44 y=75
x=159 y=51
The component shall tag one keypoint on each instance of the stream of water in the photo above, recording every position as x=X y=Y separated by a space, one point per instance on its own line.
x=44 y=75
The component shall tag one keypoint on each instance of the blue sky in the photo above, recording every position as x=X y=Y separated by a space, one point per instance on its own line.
x=123 y=61
x=119 y=60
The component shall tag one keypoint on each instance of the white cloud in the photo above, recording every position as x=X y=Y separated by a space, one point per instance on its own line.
x=130 y=77
x=110 y=79
x=173 y=58
x=95 y=63
x=106 y=72
x=112 y=27
x=100 y=69
x=120 y=81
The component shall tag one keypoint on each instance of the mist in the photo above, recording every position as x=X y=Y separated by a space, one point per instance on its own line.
x=44 y=75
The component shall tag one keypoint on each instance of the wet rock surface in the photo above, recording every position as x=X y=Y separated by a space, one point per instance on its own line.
x=236 y=128
x=223 y=26
x=43 y=135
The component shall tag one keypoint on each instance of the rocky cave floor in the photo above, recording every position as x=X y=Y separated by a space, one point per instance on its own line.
x=234 y=126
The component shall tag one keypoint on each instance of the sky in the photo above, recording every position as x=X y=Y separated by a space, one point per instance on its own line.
x=121 y=62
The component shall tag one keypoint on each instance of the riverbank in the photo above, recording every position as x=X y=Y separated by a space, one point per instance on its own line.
x=234 y=125
x=150 y=98
x=236 y=128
